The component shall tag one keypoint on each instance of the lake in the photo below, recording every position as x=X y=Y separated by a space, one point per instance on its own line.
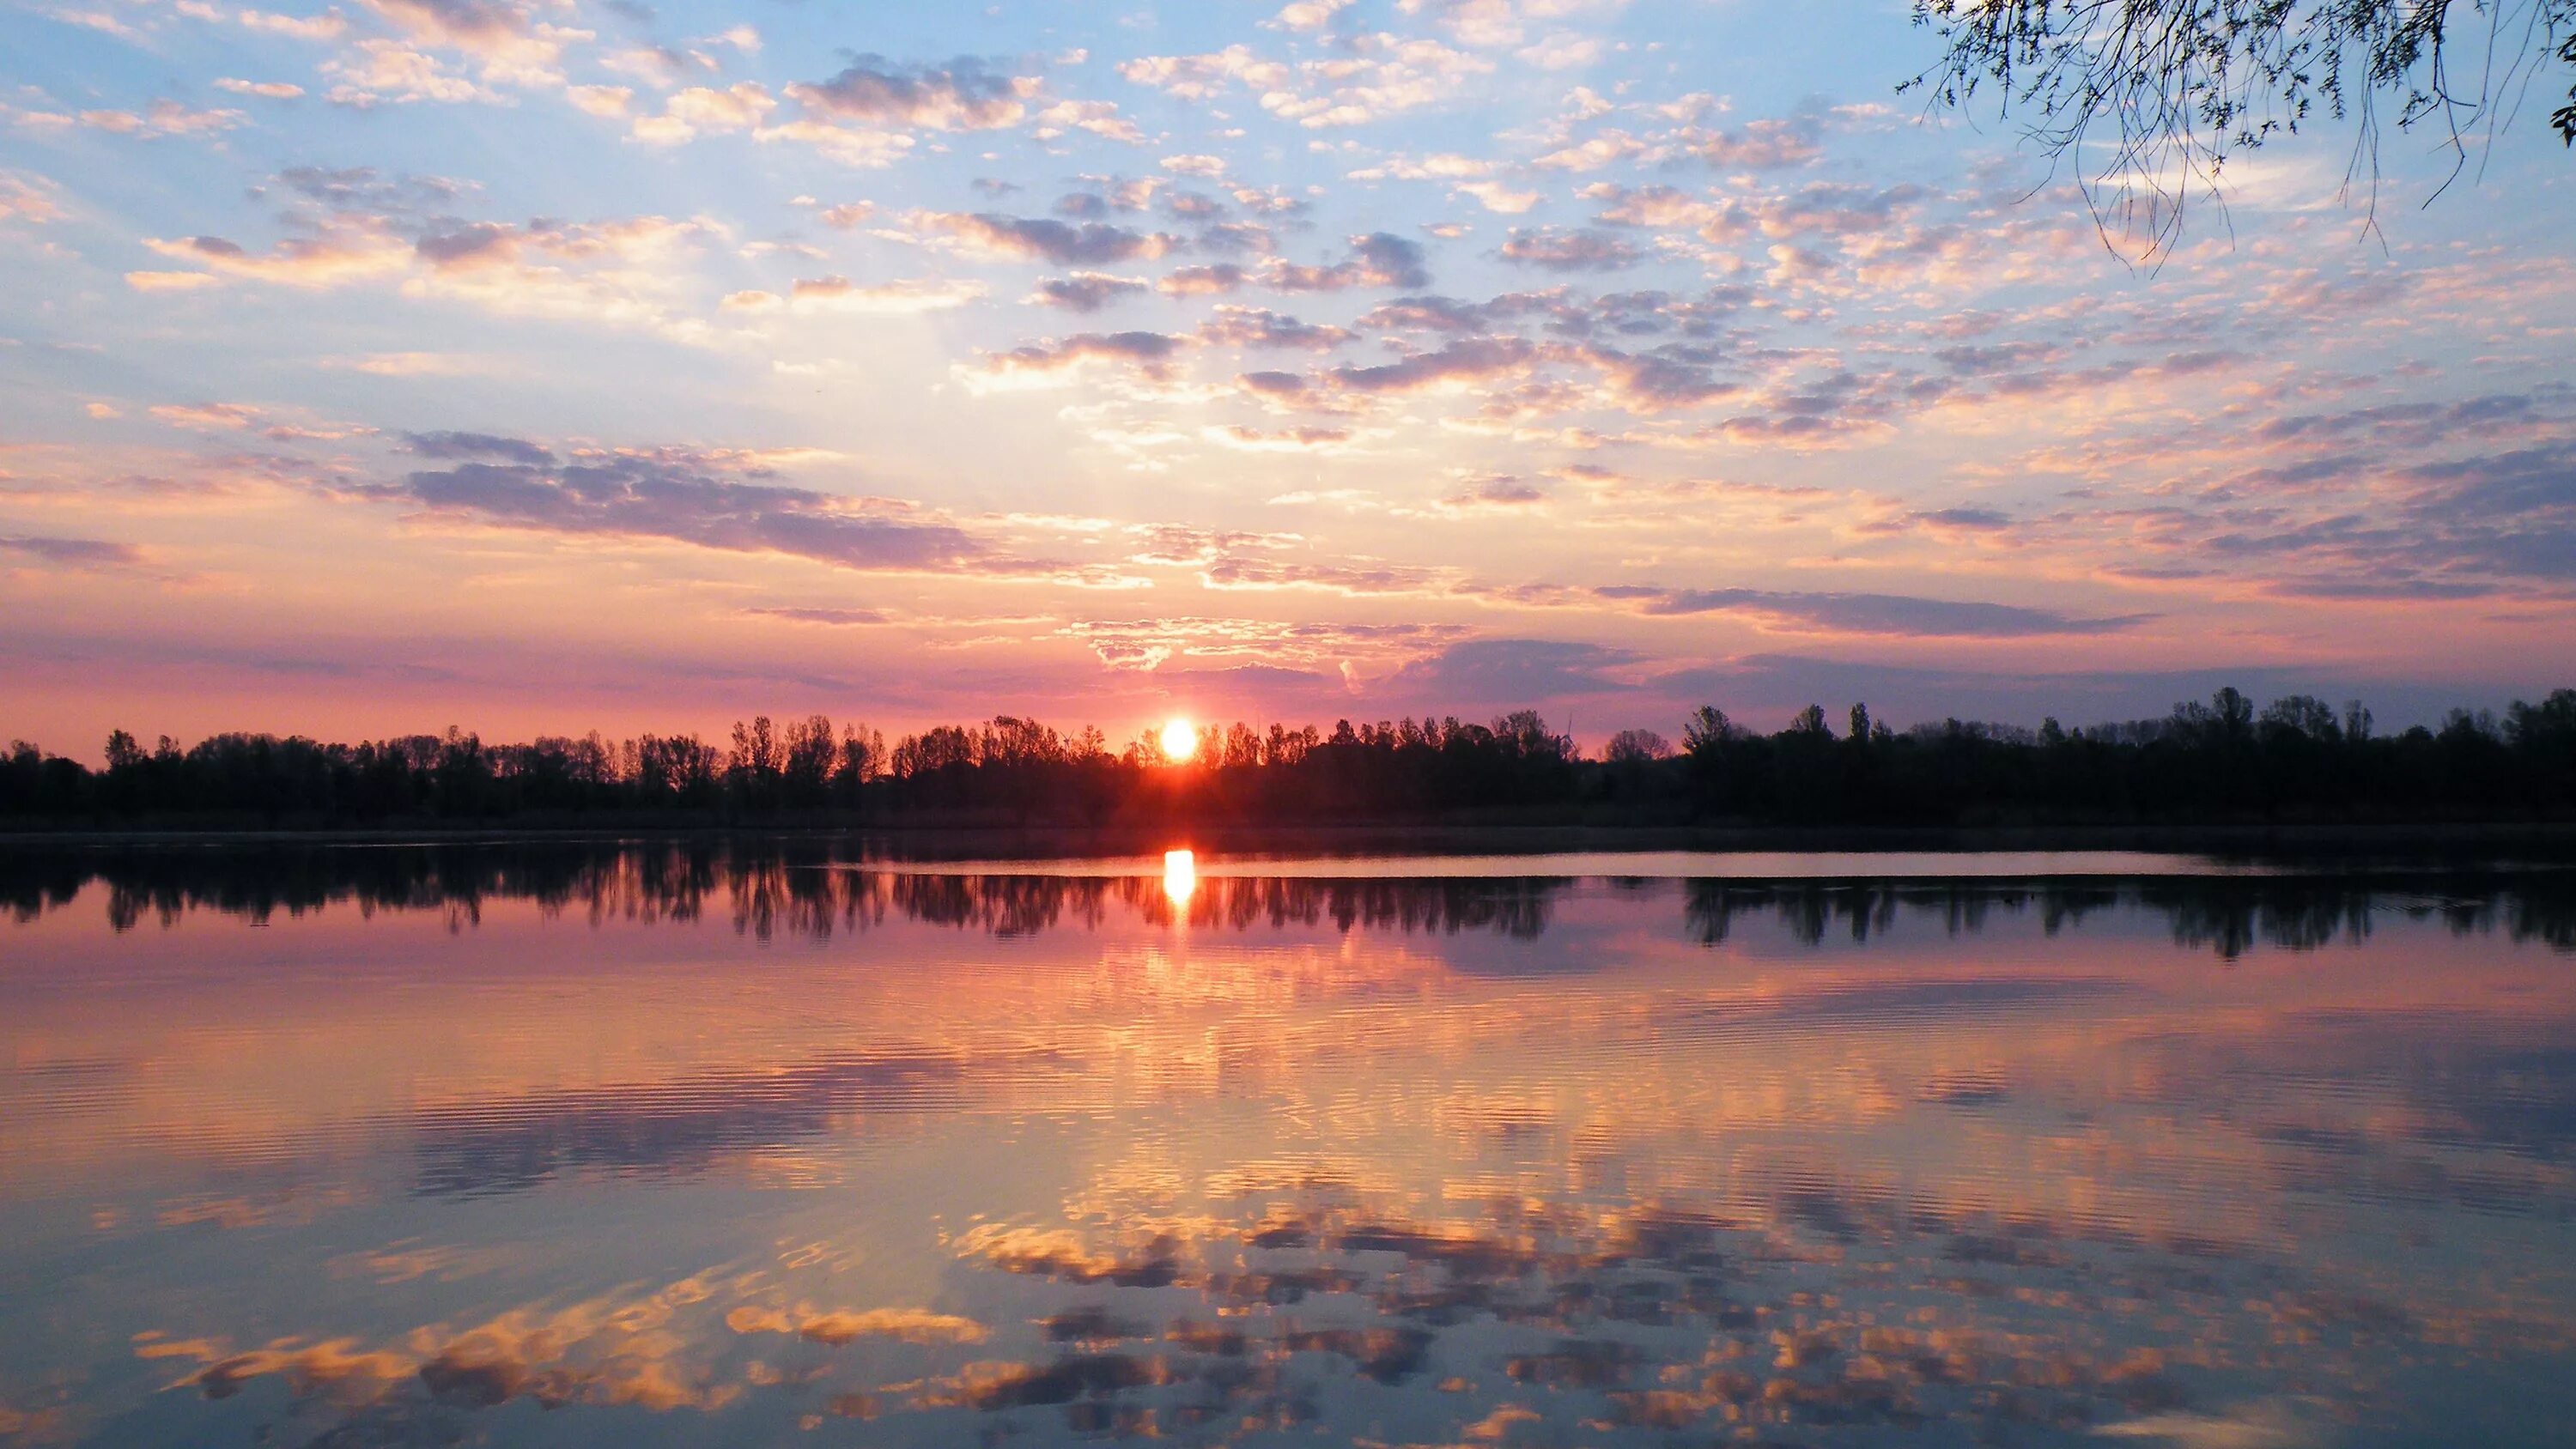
x=800 y=1142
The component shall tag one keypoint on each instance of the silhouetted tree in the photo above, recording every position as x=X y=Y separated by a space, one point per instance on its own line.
x=1634 y=747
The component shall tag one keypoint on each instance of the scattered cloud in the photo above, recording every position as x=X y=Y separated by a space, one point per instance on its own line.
x=960 y=95
x=1878 y=614
x=1086 y=291
x=673 y=496
x=75 y=554
x=1039 y=238
x=1569 y=251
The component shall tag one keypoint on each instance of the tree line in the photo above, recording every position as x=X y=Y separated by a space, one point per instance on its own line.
x=2298 y=758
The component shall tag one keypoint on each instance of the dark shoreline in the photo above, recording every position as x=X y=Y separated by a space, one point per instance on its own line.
x=2554 y=840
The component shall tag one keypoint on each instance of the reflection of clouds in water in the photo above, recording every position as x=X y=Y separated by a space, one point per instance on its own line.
x=2263 y=1424
x=1327 y=1313
x=673 y=1126
x=639 y=1350
x=1067 y=1171
x=839 y=1326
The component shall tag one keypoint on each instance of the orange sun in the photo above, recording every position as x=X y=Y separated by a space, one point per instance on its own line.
x=1180 y=741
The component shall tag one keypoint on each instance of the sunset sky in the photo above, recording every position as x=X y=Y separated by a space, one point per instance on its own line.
x=554 y=365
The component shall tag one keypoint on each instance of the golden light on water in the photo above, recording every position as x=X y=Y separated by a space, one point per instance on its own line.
x=1180 y=741
x=1180 y=876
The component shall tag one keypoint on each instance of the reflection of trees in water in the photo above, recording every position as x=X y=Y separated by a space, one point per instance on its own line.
x=775 y=896
x=2231 y=914
x=767 y=889
x=815 y=889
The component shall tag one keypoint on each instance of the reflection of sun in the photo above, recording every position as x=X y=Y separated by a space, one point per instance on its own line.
x=1180 y=741
x=1180 y=876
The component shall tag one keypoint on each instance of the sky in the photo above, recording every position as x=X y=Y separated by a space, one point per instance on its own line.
x=547 y=365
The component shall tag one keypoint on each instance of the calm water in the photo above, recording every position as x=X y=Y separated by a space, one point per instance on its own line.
x=744 y=1145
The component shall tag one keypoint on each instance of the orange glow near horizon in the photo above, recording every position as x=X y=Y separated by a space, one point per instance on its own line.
x=1180 y=740
x=1180 y=876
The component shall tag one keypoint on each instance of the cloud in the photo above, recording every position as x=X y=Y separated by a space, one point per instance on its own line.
x=743 y=106
x=467 y=24
x=1882 y=614
x=1234 y=326
x=1569 y=251
x=1282 y=440
x=207 y=417
x=1371 y=77
x=1761 y=145
x=1086 y=291
x=1100 y=118
x=1310 y=15
x=1833 y=215
x=1146 y=352
x=1472 y=359
x=329 y=25
x=453 y=447
x=163 y=117
x=380 y=72
x=680 y=498
x=99 y=21
x=865 y=149
x=1516 y=671
x=406 y=364
x=2511 y=513
x=962 y=95
x=509 y=44
x=1103 y=195
x=623 y=271
x=359 y=189
x=1435 y=166
x=840 y=1326
x=2340 y=519
x=1494 y=196
x=1379 y=259
x=266 y=90
x=1493 y=24
x=1204 y=77
x=1494 y=492
x=658 y=66
x=1305 y=646
x=83 y=554
x=606 y=102
x=30 y=199
x=1040 y=238
x=840 y=294
x=171 y=281
x=836 y=617
x=1205 y=281
x=2256 y=1424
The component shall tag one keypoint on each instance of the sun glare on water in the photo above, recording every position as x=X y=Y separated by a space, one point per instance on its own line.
x=1180 y=740
x=1180 y=876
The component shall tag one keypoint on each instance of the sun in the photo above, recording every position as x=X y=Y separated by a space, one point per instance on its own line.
x=1180 y=740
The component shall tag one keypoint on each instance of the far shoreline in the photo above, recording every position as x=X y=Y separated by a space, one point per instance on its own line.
x=2551 y=840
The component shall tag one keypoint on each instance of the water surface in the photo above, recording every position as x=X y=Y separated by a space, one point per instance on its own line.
x=752 y=1144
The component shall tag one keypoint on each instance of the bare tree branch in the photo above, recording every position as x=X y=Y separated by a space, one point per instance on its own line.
x=2147 y=99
